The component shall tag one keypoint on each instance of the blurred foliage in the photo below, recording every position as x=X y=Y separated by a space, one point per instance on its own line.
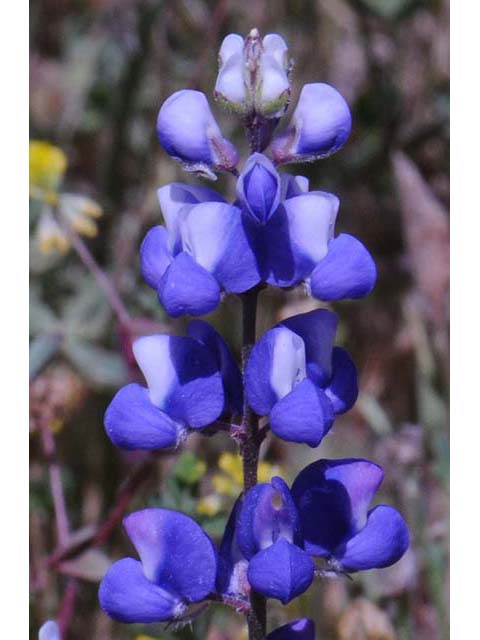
x=99 y=72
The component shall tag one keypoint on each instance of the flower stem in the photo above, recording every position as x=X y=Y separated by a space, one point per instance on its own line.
x=56 y=485
x=257 y=616
x=101 y=277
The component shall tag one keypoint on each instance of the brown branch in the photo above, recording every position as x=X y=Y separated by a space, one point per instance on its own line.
x=105 y=530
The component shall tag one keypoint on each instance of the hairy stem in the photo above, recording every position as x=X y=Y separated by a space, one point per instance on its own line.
x=257 y=616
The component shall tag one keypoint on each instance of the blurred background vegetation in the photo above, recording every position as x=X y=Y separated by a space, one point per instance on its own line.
x=100 y=70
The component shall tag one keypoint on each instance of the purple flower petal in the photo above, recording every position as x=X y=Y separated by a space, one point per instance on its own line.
x=189 y=133
x=133 y=422
x=268 y=513
x=311 y=219
x=232 y=566
x=320 y=125
x=155 y=256
x=213 y=234
x=176 y=553
x=295 y=238
x=153 y=356
x=174 y=198
x=128 y=596
x=347 y=271
x=301 y=629
x=258 y=187
x=183 y=378
x=230 y=84
x=317 y=329
x=293 y=186
x=342 y=390
x=187 y=288
x=382 y=541
x=275 y=87
x=304 y=415
x=332 y=497
x=49 y=631
x=231 y=376
x=276 y=364
x=282 y=571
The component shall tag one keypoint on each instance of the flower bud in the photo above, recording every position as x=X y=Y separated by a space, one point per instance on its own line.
x=188 y=132
x=253 y=75
x=320 y=125
x=258 y=188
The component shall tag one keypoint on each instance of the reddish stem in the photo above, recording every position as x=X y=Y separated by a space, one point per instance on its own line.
x=56 y=486
x=67 y=606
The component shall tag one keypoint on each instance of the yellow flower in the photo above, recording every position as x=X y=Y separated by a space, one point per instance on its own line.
x=266 y=471
x=230 y=482
x=50 y=236
x=231 y=464
x=47 y=168
x=47 y=165
x=209 y=505
x=78 y=212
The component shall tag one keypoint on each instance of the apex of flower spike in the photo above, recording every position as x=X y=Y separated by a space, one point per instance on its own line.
x=253 y=74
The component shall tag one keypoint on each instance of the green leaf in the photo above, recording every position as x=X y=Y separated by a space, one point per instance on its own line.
x=42 y=350
x=389 y=9
x=42 y=318
x=189 y=469
x=86 y=314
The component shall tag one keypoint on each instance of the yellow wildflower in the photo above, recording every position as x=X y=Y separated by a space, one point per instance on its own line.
x=231 y=464
x=47 y=165
x=47 y=169
x=78 y=212
x=230 y=482
x=209 y=505
x=50 y=235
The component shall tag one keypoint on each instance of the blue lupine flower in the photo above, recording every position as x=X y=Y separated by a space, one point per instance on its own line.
x=253 y=75
x=202 y=251
x=277 y=232
x=292 y=233
x=262 y=546
x=320 y=125
x=273 y=532
x=301 y=629
x=189 y=133
x=333 y=498
x=177 y=567
x=232 y=565
x=49 y=631
x=347 y=271
x=299 y=379
x=191 y=381
x=269 y=537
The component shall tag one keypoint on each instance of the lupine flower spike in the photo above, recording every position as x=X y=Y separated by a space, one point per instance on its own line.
x=277 y=232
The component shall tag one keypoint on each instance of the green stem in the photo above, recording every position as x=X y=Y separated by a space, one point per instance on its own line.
x=257 y=616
